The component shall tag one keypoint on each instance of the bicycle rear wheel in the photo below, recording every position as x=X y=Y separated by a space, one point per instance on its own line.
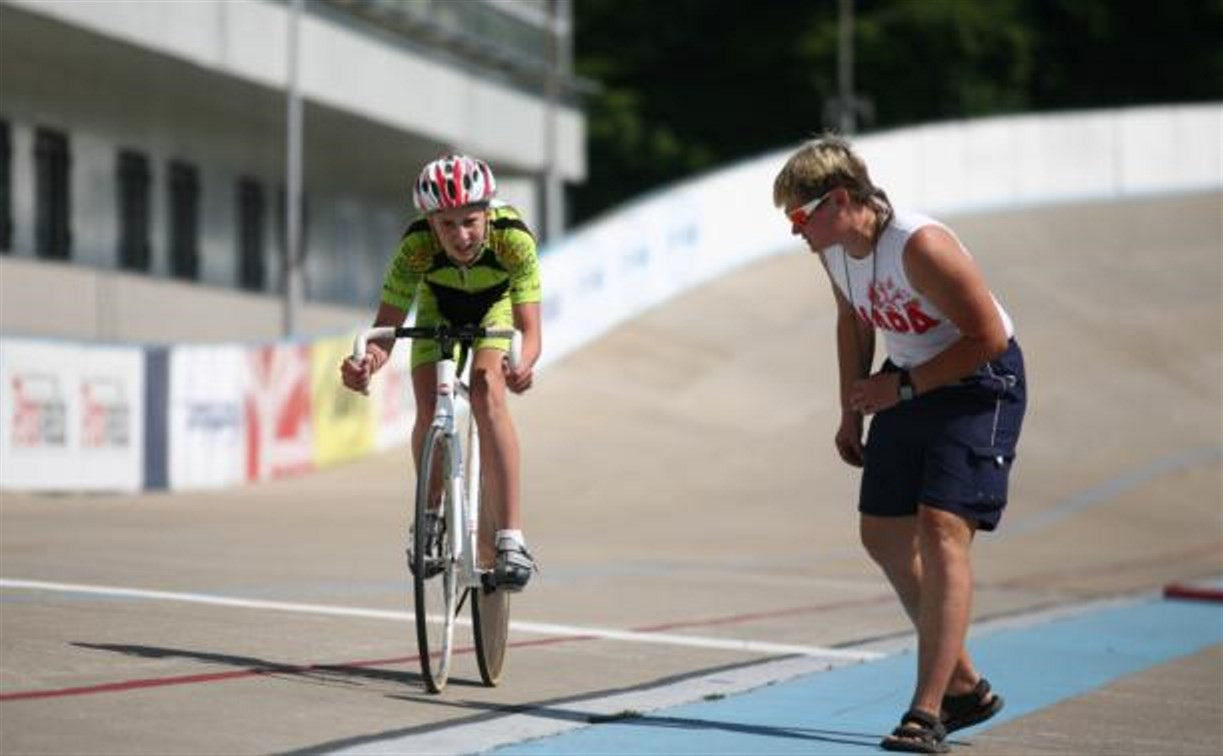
x=490 y=618
x=434 y=570
x=490 y=610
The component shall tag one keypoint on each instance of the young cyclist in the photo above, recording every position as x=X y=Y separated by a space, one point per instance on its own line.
x=947 y=405
x=469 y=260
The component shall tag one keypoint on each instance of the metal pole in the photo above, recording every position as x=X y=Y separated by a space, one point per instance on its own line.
x=845 y=66
x=293 y=181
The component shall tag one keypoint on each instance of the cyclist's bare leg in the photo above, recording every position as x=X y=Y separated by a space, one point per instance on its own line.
x=498 y=442
x=424 y=389
x=893 y=544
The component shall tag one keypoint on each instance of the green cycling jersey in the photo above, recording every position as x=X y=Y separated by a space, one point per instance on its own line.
x=503 y=273
x=507 y=259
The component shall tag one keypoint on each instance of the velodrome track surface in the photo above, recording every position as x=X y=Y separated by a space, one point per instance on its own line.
x=680 y=483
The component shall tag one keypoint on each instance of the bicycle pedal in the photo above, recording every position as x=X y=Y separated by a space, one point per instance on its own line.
x=433 y=565
x=488 y=583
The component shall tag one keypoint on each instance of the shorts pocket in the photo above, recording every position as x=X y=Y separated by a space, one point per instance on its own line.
x=991 y=469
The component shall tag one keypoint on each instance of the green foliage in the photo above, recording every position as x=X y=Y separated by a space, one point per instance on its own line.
x=1096 y=53
x=924 y=60
x=687 y=85
x=692 y=84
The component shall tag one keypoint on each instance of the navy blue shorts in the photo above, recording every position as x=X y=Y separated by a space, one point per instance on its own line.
x=951 y=448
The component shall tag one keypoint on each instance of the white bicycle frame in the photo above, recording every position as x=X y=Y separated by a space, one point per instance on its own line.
x=463 y=485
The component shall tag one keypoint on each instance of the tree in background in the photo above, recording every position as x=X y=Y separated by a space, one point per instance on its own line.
x=928 y=60
x=689 y=85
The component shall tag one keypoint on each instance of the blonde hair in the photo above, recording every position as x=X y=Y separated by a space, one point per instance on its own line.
x=822 y=164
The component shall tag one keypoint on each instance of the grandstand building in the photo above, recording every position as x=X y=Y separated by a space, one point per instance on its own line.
x=143 y=150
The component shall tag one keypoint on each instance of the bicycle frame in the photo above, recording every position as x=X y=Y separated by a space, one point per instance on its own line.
x=462 y=480
x=461 y=576
x=461 y=473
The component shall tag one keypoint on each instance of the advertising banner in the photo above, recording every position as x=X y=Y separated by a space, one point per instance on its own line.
x=207 y=422
x=343 y=419
x=71 y=416
x=279 y=440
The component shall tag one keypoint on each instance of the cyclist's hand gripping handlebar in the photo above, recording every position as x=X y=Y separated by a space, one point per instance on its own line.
x=358 y=344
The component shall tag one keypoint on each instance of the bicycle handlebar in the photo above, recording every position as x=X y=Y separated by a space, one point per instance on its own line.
x=438 y=333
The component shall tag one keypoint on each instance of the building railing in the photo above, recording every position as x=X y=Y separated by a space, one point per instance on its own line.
x=522 y=41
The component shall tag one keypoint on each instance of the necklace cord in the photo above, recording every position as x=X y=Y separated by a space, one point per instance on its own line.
x=883 y=216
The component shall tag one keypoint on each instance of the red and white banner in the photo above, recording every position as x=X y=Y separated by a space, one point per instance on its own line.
x=71 y=416
x=279 y=435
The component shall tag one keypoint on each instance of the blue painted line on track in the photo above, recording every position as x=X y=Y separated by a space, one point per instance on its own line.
x=849 y=709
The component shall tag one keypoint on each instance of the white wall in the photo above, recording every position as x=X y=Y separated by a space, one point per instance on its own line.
x=683 y=235
x=63 y=300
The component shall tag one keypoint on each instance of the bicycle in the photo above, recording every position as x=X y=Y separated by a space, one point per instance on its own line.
x=443 y=555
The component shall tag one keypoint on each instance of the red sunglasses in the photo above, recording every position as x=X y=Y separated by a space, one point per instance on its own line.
x=800 y=215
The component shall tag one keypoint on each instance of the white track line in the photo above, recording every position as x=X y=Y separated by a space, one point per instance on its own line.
x=536 y=628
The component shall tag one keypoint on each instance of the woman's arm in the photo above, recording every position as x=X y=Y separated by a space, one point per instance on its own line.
x=855 y=354
x=941 y=270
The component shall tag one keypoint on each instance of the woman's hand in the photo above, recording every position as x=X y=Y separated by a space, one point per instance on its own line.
x=875 y=394
x=849 y=439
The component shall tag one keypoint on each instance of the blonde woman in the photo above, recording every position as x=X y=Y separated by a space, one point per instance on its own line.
x=946 y=407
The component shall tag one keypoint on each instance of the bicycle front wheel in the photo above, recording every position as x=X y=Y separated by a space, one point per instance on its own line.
x=434 y=569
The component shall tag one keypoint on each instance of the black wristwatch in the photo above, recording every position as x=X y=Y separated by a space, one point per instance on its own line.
x=906 y=386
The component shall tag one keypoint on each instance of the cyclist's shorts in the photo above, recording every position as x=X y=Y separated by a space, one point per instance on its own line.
x=426 y=351
x=951 y=449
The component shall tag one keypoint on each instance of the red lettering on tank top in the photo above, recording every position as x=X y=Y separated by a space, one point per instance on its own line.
x=894 y=309
x=897 y=321
x=920 y=321
x=891 y=319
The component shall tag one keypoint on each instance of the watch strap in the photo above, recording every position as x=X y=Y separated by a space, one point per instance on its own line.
x=905 y=389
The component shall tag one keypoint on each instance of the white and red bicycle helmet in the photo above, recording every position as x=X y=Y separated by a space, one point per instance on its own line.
x=453 y=181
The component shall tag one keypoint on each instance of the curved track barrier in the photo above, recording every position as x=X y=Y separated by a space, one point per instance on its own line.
x=85 y=417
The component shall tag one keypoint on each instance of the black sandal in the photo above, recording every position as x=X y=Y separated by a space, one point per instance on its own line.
x=919 y=732
x=973 y=707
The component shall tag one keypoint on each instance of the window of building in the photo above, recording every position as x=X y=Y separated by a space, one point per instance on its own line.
x=250 y=234
x=52 y=236
x=184 y=220
x=134 y=218
x=6 y=189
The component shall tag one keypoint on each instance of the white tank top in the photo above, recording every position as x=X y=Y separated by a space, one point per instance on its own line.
x=914 y=330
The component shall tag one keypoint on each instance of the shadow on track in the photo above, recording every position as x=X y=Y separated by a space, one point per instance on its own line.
x=242 y=666
x=567 y=710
